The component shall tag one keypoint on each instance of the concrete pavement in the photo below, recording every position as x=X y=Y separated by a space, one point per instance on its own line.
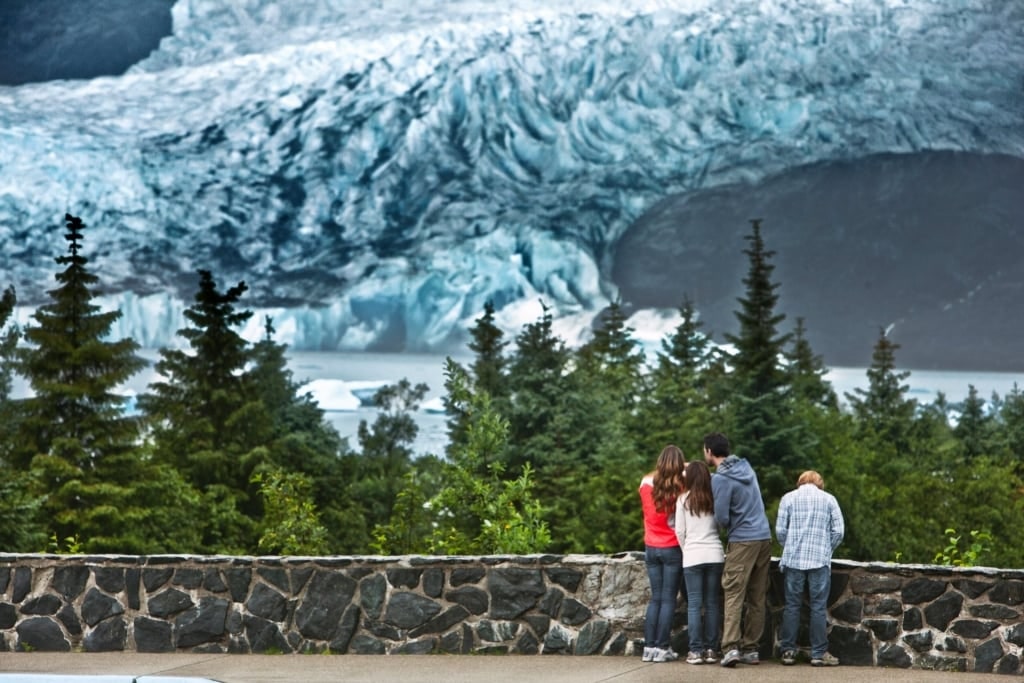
x=432 y=669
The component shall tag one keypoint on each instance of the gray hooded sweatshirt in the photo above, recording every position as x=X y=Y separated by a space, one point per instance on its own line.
x=739 y=508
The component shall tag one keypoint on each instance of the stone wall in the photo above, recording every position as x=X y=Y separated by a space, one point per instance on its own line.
x=881 y=614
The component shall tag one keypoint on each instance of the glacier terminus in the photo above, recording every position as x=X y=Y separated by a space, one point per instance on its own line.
x=376 y=171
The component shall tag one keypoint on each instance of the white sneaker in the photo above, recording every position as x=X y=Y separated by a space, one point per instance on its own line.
x=648 y=654
x=661 y=655
x=827 y=659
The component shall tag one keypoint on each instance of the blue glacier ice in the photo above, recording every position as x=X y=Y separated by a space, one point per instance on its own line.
x=375 y=171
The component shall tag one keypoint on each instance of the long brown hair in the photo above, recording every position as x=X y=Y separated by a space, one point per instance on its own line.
x=700 y=500
x=668 y=478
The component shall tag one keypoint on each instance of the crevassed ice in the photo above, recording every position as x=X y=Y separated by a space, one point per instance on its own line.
x=377 y=171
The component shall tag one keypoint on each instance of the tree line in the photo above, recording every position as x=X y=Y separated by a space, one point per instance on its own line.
x=225 y=453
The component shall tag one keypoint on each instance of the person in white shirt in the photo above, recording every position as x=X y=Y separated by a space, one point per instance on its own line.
x=703 y=562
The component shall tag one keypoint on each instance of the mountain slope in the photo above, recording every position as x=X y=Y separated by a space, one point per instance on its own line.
x=927 y=245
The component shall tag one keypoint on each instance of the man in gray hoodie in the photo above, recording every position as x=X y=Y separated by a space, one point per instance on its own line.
x=739 y=510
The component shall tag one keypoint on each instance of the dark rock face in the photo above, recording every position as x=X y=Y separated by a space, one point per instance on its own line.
x=926 y=242
x=43 y=634
x=45 y=40
x=318 y=616
x=153 y=635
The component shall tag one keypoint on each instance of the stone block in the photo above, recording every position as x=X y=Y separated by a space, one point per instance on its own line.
x=944 y=610
x=41 y=634
x=108 y=636
x=408 y=610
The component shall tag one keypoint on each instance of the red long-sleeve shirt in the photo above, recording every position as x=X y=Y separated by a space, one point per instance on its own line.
x=657 y=532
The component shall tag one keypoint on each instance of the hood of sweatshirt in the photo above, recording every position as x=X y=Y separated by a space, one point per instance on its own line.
x=737 y=469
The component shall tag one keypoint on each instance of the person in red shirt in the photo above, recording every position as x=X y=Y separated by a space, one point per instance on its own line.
x=662 y=554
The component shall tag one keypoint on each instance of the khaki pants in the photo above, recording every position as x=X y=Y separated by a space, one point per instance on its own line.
x=745 y=584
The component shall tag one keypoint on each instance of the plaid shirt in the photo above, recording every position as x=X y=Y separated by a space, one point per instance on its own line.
x=809 y=527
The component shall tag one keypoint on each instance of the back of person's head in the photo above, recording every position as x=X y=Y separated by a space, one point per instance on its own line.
x=668 y=477
x=700 y=500
x=811 y=477
x=717 y=443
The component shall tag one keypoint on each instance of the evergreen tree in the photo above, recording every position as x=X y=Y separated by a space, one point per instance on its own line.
x=569 y=428
x=614 y=356
x=8 y=343
x=489 y=370
x=490 y=364
x=883 y=424
x=807 y=373
x=679 y=406
x=759 y=346
x=75 y=433
x=883 y=410
x=763 y=425
x=538 y=378
x=1011 y=418
x=299 y=441
x=74 y=371
x=204 y=419
x=192 y=406
x=9 y=335
x=599 y=494
x=20 y=524
x=975 y=428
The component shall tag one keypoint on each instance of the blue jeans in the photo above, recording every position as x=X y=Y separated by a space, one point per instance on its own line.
x=818 y=582
x=703 y=586
x=664 y=569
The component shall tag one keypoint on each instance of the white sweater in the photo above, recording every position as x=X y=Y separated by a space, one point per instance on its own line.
x=698 y=536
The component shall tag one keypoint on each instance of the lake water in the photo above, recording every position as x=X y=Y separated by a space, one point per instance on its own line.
x=366 y=369
x=343 y=382
x=428 y=368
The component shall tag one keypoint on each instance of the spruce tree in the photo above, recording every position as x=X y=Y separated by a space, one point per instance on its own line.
x=75 y=433
x=489 y=371
x=975 y=429
x=762 y=424
x=298 y=440
x=759 y=346
x=9 y=335
x=8 y=343
x=20 y=525
x=538 y=378
x=883 y=410
x=569 y=428
x=614 y=359
x=680 y=403
x=199 y=391
x=1011 y=419
x=489 y=364
x=807 y=372
x=205 y=420
x=610 y=379
x=74 y=371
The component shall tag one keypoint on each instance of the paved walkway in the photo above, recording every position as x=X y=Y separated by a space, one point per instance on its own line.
x=194 y=668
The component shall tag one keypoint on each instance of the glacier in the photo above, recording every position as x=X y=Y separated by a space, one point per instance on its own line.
x=377 y=171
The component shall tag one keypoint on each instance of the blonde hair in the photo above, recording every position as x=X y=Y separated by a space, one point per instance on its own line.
x=811 y=477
